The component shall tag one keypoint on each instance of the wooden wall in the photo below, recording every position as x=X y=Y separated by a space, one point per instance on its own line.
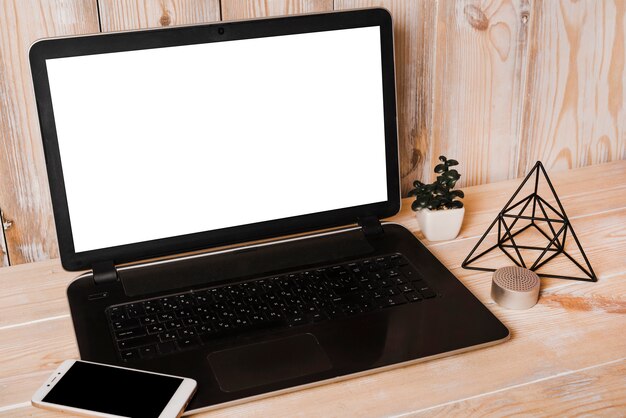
x=496 y=84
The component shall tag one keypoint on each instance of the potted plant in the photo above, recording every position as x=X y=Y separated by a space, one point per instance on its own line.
x=438 y=209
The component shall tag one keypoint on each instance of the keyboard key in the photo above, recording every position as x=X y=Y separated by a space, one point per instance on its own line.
x=130 y=354
x=405 y=288
x=392 y=291
x=148 y=351
x=193 y=320
x=399 y=260
x=317 y=316
x=186 y=332
x=203 y=299
x=130 y=333
x=123 y=325
x=211 y=317
x=241 y=322
x=393 y=300
x=148 y=320
x=118 y=315
x=409 y=273
x=413 y=296
x=116 y=310
x=190 y=342
x=155 y=329
x=182 y=313
x=165 y=316
x=136 y=342
x=152 y=307
x=185 y=300
x=223 y=326
x=297 y=320
x=135 y=310
x=386 y=282
x=257 y=318
x=399 y=280
x=175 y=324
x=167 y=336
x=334 y=312
x=169 y=304
x=205 y=329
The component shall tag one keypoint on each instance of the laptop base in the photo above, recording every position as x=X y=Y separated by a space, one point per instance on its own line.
x=454 y=321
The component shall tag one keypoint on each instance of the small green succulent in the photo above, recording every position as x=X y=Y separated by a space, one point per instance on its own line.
x=439 y=194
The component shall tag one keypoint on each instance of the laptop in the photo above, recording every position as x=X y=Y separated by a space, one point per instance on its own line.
x=225 y=186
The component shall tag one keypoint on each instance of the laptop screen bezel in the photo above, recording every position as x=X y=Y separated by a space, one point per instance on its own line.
x=188 y=35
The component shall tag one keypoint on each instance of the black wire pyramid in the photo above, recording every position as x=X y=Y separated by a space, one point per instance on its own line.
x=560 y=229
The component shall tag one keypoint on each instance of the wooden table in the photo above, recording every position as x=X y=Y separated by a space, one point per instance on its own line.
x=567 y=355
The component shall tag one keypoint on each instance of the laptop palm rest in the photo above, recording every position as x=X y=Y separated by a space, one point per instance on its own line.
x=242 y=263
x=268 y=362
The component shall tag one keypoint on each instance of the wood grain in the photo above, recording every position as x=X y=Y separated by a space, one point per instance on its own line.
x=118 y=15
x=534 y=399
x=24 y=195
x=576 y=96
x=24 y=347
x=20 y=303
x=415 y=41
x=246 y=9
x=479 y=84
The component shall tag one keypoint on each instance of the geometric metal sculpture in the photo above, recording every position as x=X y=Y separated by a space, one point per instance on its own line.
x=560 y=229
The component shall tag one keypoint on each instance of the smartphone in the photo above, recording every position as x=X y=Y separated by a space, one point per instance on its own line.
x=100 y=390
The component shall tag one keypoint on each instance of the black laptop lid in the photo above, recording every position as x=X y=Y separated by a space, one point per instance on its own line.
x=171 y=140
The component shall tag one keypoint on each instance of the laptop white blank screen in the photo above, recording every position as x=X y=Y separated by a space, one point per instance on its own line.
x=171 y=141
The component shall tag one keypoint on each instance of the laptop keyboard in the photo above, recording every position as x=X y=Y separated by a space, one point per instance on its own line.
x=183 y=321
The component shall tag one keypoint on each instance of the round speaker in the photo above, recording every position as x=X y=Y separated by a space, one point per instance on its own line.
x=515 y=287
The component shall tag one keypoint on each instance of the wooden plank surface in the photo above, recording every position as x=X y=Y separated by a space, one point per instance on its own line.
x=573 y=335
x=535 y=398
x=117 y=15
x=19 y=304
x=24 y=195
x=247 y=9
x=576 y=96
x=479 y=84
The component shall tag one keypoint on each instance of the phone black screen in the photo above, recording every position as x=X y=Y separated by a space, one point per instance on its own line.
x=113 y=391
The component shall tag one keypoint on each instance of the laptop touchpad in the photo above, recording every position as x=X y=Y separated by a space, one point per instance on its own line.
x=268 y=362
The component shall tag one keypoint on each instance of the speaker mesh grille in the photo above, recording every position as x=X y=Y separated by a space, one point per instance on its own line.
x=516 y=278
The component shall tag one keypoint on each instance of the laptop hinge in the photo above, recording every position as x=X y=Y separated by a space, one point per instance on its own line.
x=104 y=272
x=371 y=226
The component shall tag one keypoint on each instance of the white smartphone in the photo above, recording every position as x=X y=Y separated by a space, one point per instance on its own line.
x=100 y=390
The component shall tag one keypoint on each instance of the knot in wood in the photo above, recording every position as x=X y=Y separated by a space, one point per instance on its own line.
x=165 y=19
x=525 y=16
x=476 y=17
x=7 y=224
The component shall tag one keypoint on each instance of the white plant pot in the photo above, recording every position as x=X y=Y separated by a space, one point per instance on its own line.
x=440 y=225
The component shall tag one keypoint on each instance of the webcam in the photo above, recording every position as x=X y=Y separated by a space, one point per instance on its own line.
x=220 y=31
